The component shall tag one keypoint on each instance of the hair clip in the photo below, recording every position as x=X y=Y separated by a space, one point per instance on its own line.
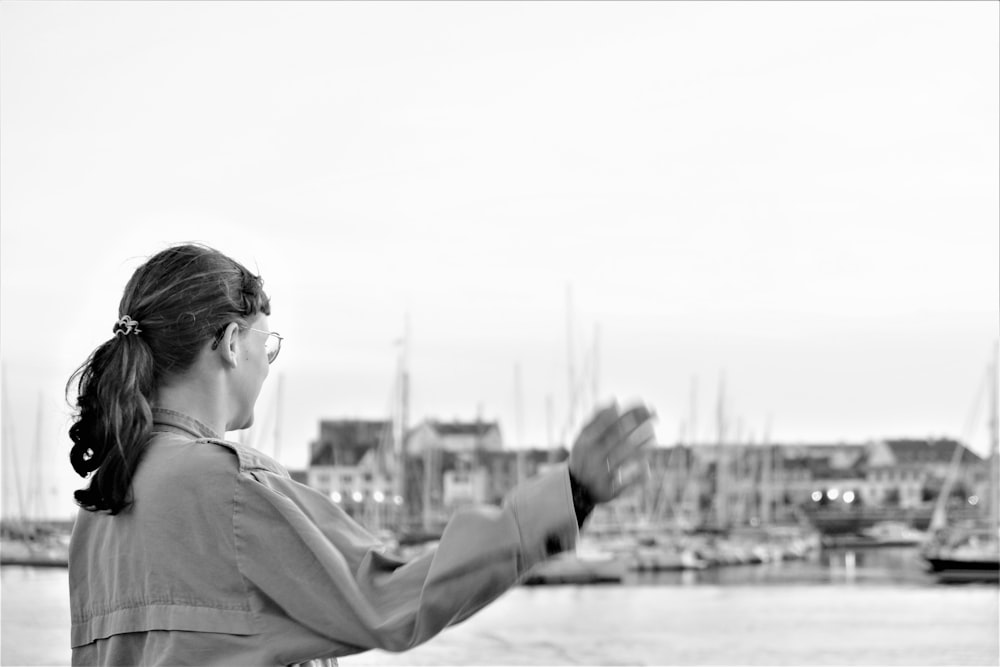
x=125 y=326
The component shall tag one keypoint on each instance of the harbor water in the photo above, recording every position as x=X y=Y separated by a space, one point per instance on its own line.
x=874 y=607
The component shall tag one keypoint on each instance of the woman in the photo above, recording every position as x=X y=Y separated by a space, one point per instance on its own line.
x=190 y=549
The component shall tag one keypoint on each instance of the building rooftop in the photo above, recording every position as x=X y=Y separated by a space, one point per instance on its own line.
x=929 y=451
x=344 y=442
x=462 y=428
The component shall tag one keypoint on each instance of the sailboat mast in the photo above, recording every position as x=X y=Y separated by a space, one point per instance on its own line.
x=518 y=423
x=766 y=474
x=36 y=499
x=549 y=409
x=721 y=497
x=597 y=364
x=10 y=445
x=691 y=467
x=402 y=468
x=994 y=458
x=570 y=366
x=404 y=412
x=428 y=480
x=693 y=412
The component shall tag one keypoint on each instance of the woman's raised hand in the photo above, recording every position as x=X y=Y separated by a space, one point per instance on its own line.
x=610 y=453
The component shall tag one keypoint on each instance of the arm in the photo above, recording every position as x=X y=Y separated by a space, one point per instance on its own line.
x=329 y=574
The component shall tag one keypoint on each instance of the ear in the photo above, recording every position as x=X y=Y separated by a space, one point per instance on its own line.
x=229 y=345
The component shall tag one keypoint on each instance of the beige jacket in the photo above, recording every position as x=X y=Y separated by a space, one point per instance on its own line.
x=223 y=559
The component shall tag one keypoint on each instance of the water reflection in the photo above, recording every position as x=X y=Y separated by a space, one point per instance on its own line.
x=850 y=566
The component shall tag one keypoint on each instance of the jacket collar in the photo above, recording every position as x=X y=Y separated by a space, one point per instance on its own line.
x=250 y=459
x=181 y=422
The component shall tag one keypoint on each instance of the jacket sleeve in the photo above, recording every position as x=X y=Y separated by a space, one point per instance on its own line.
x=329 y=574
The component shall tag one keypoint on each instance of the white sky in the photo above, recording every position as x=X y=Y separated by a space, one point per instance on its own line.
x=802 y=196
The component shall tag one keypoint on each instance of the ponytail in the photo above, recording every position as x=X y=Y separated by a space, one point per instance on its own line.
x=114 y=421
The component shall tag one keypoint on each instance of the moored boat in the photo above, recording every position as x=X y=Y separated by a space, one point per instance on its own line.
x=586 y=565
x=34 y=553
x=665 y=558
x=970 y=554
x=882 y=534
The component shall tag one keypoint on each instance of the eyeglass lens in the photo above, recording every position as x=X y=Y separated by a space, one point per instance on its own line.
x=272 y=346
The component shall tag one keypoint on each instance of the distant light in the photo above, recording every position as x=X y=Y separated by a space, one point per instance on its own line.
x=335 y=496
x=817 y=496
x=848 y=496
x=378 y=496
x=832 y=494
x=398 y=500
x=754 y=521
x=357 y=497
x=973 y=500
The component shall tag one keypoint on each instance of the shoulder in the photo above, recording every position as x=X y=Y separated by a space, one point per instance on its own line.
x=248 y=459
x=207 y=464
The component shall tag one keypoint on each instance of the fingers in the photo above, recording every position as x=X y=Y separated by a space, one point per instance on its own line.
x=627 y=457
x=625 y=423
x=602 y=420
x=634 y=445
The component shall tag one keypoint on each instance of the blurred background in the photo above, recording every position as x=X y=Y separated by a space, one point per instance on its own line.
x=777 y=223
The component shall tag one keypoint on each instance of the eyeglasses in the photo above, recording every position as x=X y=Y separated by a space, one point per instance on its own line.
x=272 y=344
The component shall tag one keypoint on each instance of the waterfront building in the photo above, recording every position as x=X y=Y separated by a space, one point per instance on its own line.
x=775 y=482
x=910 y=473
x=455 y=463
x=831 y=470
x=459 y=437
x=354 y=462
x=351 y=462
x=504 y=468
x=453 y=455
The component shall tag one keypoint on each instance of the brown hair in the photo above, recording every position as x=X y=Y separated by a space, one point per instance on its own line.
x=181 y=298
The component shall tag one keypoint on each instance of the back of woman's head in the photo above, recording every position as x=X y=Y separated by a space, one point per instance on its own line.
x=176 y=302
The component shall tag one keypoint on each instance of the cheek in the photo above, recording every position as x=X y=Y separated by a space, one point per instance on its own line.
x=262 y=376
